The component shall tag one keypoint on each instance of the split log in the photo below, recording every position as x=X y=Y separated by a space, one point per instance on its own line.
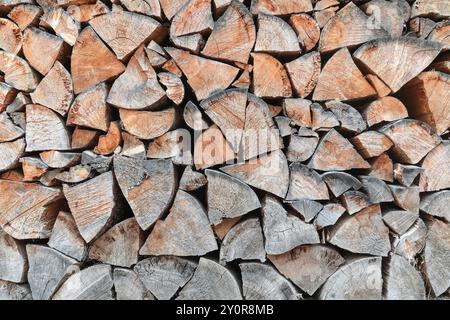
x=284 y=231
x=13 y=175
x=164 y=276
x=384 y=109
x=421 y=26
x=132 y=146
x=84 y=138
x=407 y=198
x=304 y=73
x=402 y=281
x=263 y=282
x=75 y=174
x=49 y=178
x=437 y=257
x=244 y=80
x=355 y=201
x=406 y=174
x=390 y=59
x=381 y=168
x=13 y=259
x=13 y=291
x=413 y=139
x=270 y=79
x=203 y=75
x=194 y=17
x=58 y=159
x=436 y=9
x=308 y=266
x=19 y=119
x=280 y=7
x=7 y=95
x=243 y=241
x=307 y=30
x=119 y=246
x=109 y=142
x=348 y=28
x=302 y=145
x=156 y=54
x=193 y=117
x=305 y=183
x=357 y=279
x=66 y=238
x=192 y=180
x=269 y=173
x=11 y=39
x=211 y=281
x=148 y=124
x=329 y=215
x=299 y=111
x=441 y=34
x=89 y=109
x=92 y=283
x=192 y=43
x=28 y=210
x=128 y=286
x=341 y=79
x=371 y=143
x=350 y=120
x=85 y=12
x=17 y=71
x=147 y=185
x=380 y=87
x=174 y=86
x=92 y=62
x=33 y=168
x=10 y=153
x=233 y=36
x=185 y=231
x=16 y=103
x=436 y=204
x=322 y=16
x=435 y=175
x=62 y=23
x=93 y=204
x=285 y=126
x=171 y=7
x=222 y=228
x=388 y=15
x=147 y=7
x=308 y=209
x=412 y=241
x=334 y=152
x=48 y=269
x=322 y=120
x=339 y=182
x=228 y=197
x=171 y=144
x=399 y=220
x=99 y=163
x=25 y=15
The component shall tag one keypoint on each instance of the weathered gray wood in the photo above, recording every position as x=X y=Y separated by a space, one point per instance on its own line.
x=128 y=286
x=13 y=259
x=174 y=86
x=437 y=204
x=329 y=215
x=164 y=275
x=349 y=118
x=305 y=183
x=10 y=152
x=132 y=146
x=99 y=163
x=406 y=174
x=58 y=159
x=302 y=145
x=285 y=125
x=406 y=198
x=8 y=130
x=339 y=182
x=14 y=291
x=193 y=117
x=412 y=241
x=376 y=189
x=308 y=209
x=75 y=174
x=322 y=120
x=192 y=180
x=435 y=175
x=355 y=201
x=400 y=220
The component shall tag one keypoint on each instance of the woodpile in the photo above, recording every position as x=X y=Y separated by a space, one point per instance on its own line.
x=217 y=149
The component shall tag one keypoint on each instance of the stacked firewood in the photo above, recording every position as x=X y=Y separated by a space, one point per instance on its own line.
x=217 y=149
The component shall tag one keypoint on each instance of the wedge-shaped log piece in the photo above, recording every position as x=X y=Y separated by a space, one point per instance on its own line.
x=437 y=204
x=171 y=144
x=222 y=228
x=269 y=173
x=92 y=283
x=243 y=241
x=8 y=95
x=25 y=14
x=355 y=201
x=228 y=197
x=282 y=230
x=304 y=73
x=119 y=246
x=391 y=16
x=341 y=79
x=171 y=7
x=411 y=242
x=400 y=220
x=85 y=12
x=299 y=111
x=406 y=174
x=308 y=266
x=349 y=118
x=192 y=180
x=148 y=186
x=440 y=34
x=58 y=159
x=302 y=145
x=194 y=17
x=431 y=8
x=163 y=276
x=322 y=119
x=174 y=86
x=48 y=269
x=381 y=168
x=17 y=71
x=384 y=109
x=435 y=175
x=349 y=27
x=92 y=62
x=323 y=13
x=334 y=152
x=184 y=232
x=329 y=215
x=280 y=7
x=307 y=30
x=62 y=23
x=308 y=209
x=13 y=291
x=84 y=138
x=33 y=168
x=148 y=124
x=128 y=286
x=211 y=281
x=28 y=210
x=108 y=143
x=358 y=279
x=270 y=79
x=407 y=198
x=233 y=35
x=66 y=238
x=339 y=182
x=193 y=117
x=75 y=174
x=403 y=281
x=204 y=75
x=11 y=39
x=437 y=256
x=93 y=204
x=380 y=87
x=42 y=49
x=10 y=152
x=413 y=139
x=192 y=43
x=13 y=259
x=263 y=282
x=371 y=143
x=390 y=59
x=146 y=7
x=363 y=233
x=305 y=183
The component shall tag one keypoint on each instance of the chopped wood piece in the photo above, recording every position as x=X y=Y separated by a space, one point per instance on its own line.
x=66 y=238
x=280 y=7
x=171 y=7
x=407 y=198
x=307 y=30
x=48 y=269
x=421 y=26
x=436 y=204
x=128 y=286
x=171 y=66
x=92 y=283
x=263 y=282
x=323 y=16
x=413 y=139
x=299 y=111
x=357 y=279
x=371 y=143
x=57 y=159
x=184 y=232
x=244 y=80
x=7 y=96
x=302 y=146
x=110 y=141
x=406 y=174
x=349 y=118
x=18 y=73
x=174 y=86
x=363 y=233
x=171 y=144
x=92 y=62
x=380 y=87
x=204 y=75
x=99 y=163
x=192 y=43
x=148 y=124
x=211 y=281
x=269 y=173
x=348 y=28
x=381 y=168
x=222 y=228
x=13 y=259
x=411 y=242
x=93 y=204
x=355 y=201
x=399 y=220
x=89 y=109
x=339 y=182
x=194 y=17
x=243 y=241
x=62 y=23
x=390 y=59
x=284 y=231
x=132 y=146
x=437 y=257
x=329 y=215
x=441 y=34
x=163 y=276
x=322 y=119
x=193 y=117
x=16 y=103
x=33 y=168
x=192 y=180
x=403 y=281
x=435 y=175
x=119 y=246
x=341 y=79
x=49 y=178
x=155 y=58
x=13 y=291
x=431 y=8
x=270 y=79
x=10 y=152
x=388 y=15
x=75 y=174
x=305 y=183
x=25 y=15
x=285 y=126
x=146 y=7
x=308 y=209
x=308 y=266
x=13 y=175
x=11 y=39
x=304 y=73
x=85 y=12
x=384 y=109
x=233 y=36
x=334 y=152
